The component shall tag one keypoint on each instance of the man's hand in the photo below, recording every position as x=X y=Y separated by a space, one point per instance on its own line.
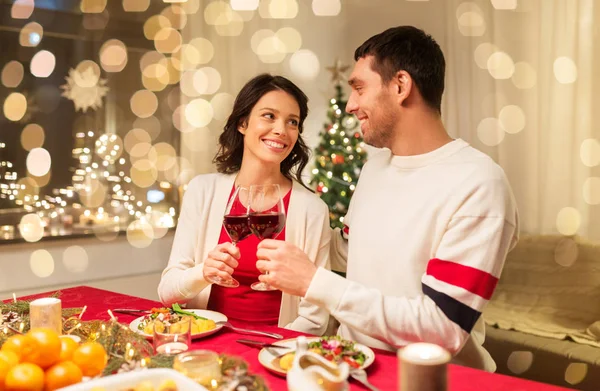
x=221 y=261
x=289 y=268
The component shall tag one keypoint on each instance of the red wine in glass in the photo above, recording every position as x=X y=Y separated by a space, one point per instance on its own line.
x=235 y=222
x=266 y=217
x=266 y=225
x=237 y=227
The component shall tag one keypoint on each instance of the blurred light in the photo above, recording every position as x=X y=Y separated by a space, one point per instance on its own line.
x=136 y=5
x=167 y=40
x=565 y=70
x=222 y=103
x=22 y=9
x=278 y=9
x=218 y=13
x=154 y=24
x=500 y=65
x=490 y=132
x=31 y=227
x=38 y=162
x=12 y=74
x=326 y=7
x=504 y=4
x=113 y=55
x=143 y=173
x=32 y=137
x=190 y=6
x=524 y=76
x=96 y=21
x=591 y=190
x=291 y=39
x=199 y=112
x=31 y=34
x=144 y=103
x=75 y=259
x=140 y=234
x=180 y=122
x=42 y=64
x=207 y=81
x=233 y=27
x=162 y=156
x=589 y=152
x=568 y=221
x=150 y=124
x=155 y=196
x=244 y=5
x=305 y=64
x=41 y=263
x=15 y=106
x=482 y=54
x=91 y=71
x=176 y=16
x=92 y=6
x=470 y=20
x=512 y=119
x=135 y=136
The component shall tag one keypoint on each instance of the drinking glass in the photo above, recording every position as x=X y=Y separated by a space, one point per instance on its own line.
x=235 y=222
x=266 y=217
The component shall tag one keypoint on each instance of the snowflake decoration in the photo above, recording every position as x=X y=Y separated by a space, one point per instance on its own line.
x=86 y=89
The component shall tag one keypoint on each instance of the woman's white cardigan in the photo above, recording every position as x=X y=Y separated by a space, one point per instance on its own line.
x=198 y=231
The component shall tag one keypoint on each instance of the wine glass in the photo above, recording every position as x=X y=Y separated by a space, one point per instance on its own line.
x=235 y=222
x=266 y=217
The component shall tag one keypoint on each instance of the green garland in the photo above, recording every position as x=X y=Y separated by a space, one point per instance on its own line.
x=126 y=349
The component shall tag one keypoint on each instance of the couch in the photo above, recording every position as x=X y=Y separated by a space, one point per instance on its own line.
x=543 y=322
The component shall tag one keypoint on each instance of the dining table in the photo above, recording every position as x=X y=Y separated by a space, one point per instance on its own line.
x=383 y=373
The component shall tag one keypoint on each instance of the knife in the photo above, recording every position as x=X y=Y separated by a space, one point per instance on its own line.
x=259 y=344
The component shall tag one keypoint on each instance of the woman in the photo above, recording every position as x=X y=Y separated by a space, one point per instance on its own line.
x=261 y=144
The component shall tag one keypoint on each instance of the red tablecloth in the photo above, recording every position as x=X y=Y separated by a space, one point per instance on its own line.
x=383 y=373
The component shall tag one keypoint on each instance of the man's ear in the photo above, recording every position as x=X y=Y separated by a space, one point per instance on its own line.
x=403 y=85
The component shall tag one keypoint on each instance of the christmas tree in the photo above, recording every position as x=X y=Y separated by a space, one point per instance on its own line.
x=340 y=154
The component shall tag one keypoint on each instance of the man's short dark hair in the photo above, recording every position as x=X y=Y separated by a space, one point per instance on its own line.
x=412 y=50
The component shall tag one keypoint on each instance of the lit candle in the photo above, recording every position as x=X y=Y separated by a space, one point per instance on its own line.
x=172 y=348
x=46 y=312
x=423 y=367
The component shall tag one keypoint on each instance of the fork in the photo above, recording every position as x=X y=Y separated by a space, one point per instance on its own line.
x=360 y=375
x=247 y=331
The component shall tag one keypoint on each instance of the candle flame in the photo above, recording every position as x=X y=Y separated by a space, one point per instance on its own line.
x=103 y=327
x=131 y=353
x=21 y=327
x=143 y=363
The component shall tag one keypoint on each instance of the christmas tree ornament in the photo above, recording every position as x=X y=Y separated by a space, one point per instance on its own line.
x=86 y=89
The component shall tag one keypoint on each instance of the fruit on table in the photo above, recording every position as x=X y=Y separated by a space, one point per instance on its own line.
x=24 y=377
x=61 y=375
x=91 y=358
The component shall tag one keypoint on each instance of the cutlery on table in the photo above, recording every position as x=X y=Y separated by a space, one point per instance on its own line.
x=130 y=311
x=247 y=331
x=260 y=344
x=360 y=375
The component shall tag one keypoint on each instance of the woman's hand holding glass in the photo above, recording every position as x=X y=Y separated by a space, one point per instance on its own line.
x=220 y=263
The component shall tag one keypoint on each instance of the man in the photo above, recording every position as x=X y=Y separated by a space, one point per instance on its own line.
x=430 y=222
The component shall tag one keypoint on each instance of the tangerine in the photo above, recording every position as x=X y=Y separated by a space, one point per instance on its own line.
x=19 y=344
x=10 y=357
x=47 y=347
x=91 y=358
x=25 y=377
x=61 y=375
x=67 y=347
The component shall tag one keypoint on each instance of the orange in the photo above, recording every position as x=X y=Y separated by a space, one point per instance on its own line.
x=19 y=344
x=25 y=377
x=61 y=375
x=4 y=368
x=91 y=358
x=10 y=357
x=46 y=347
x=67 y=347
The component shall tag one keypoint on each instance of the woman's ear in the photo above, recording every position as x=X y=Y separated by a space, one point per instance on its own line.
x=243 y=126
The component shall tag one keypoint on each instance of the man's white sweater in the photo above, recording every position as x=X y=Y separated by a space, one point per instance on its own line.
x=425 y=241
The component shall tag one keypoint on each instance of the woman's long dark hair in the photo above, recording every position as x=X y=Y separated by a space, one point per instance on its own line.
x=231 y=142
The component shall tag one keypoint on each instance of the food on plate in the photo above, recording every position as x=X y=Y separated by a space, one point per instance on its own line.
x=174 y=316
x=165 y=385
x=333 y=348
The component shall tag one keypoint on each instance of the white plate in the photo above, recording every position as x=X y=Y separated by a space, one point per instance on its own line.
x=216 y=316
x=266 y=356
x=124 y=381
